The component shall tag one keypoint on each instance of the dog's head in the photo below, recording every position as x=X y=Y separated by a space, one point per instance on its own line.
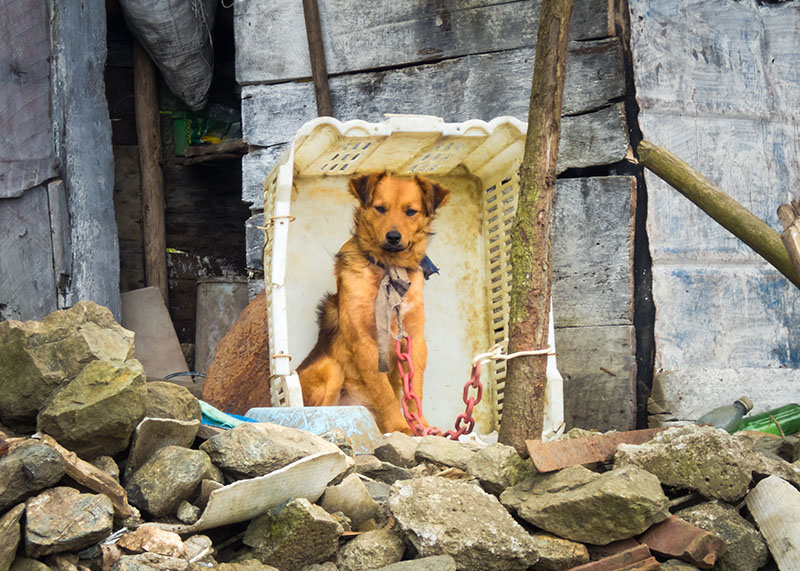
x=394 y=216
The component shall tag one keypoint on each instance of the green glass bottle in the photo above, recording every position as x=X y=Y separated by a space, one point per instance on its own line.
x=786 y=416
x=729 y=416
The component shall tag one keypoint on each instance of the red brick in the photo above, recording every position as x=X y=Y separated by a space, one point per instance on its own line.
x=675 y=537
x=635 y=559
x=557 y=454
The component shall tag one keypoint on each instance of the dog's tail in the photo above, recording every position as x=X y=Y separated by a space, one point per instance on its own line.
x=328 y=320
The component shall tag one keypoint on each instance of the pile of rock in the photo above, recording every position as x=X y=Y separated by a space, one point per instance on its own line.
x=101 y=470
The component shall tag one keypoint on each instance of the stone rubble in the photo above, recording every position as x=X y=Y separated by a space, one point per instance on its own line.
x=416 y=504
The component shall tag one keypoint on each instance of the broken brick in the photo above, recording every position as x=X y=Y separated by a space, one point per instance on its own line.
x=557 y=454
x=635 y=559
x=675 y=537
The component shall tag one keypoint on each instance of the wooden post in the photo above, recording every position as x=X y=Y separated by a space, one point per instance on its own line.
x=319 y=68
x=789 y=215
x=734 y=217
x=531 y=248
x=152 y=178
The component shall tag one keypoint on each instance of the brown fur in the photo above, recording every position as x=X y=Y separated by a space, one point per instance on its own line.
x=343 y=365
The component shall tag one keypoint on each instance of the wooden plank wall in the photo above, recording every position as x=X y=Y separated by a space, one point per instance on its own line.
x=467 y=60
x=719 y=85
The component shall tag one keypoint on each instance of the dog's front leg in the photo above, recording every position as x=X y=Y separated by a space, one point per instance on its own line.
x=365 y=384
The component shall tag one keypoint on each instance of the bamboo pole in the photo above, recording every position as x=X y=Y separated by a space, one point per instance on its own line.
x=531 y=247
x=734 y=217
x=152 y=178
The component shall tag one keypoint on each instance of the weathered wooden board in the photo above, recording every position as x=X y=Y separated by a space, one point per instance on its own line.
x=684 y=395
x=599 y=370
x=255 y=168
x=486 y=86
x=727 y=57
x=27 y=155
x=271 y=44
x=725 y=316
x=593 y=225
x=718 y=86
x=84 y=131
x=758 y=166
x=128 y=214
x=27 y=288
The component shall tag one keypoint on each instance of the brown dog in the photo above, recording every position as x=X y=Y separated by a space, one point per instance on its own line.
x=391 y=229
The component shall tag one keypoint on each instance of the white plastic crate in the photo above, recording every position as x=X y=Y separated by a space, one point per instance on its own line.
x=308 y=214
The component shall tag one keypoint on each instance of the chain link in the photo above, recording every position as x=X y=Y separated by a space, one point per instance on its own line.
x=464 y=422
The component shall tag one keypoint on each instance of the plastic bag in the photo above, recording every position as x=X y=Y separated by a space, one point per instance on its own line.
x=177 y=35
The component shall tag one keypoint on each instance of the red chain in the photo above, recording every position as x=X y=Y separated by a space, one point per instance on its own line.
x=464 y=422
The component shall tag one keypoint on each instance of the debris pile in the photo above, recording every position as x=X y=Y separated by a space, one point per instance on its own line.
x=101 y=470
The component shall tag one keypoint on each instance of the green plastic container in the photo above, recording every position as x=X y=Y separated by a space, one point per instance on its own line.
x=787 y=416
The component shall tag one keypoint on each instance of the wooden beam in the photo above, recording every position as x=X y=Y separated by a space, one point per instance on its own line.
x=789 y=215
x=152 y=178
x=531 y=235
x=319 y=69
x=731 y=215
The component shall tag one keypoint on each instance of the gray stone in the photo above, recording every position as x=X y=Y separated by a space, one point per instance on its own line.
x=616 y=505
x=339 y=437
x=149 y=562
x=187 y=513
x=771 y=446
x=196 y=545
x=441 y=516
x=378 y=490
x=63 y=519
x=107 y=465
x=677 y=565
x=433 y=563
x=370 y=550
x=296 y=534
x=566 y=479
x=747 y=549
x=36 y=357
x=385 y=472
x=398 y=449
x=10 y=535
x=352 y=499
x=257 y=448
x=168 y=477
x=28 y=564
x=26 y=470
x=705 y=459
x=443 y=451
x=498 y=467
x=169 y=400
x=557 y=553
x=247 y=565
x=327 y=566
x=95 y=413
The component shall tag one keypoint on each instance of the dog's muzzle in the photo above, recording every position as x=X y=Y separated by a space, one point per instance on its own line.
x=393 y=242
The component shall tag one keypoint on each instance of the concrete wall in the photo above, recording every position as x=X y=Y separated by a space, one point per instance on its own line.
x=719 y=85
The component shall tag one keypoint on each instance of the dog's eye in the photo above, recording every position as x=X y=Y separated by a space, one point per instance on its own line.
x=381 y=209
x=411 y=212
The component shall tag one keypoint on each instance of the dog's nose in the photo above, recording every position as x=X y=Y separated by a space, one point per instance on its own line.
x=393 y=237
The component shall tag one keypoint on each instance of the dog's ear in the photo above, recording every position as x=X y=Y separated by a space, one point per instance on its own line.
x=362 y=187
x=434 y=195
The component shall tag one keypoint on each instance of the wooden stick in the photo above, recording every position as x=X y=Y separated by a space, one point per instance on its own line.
x=734 y=217
x=790 y=236
x=152 y=178
x=531 y=247
x=319 y=69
